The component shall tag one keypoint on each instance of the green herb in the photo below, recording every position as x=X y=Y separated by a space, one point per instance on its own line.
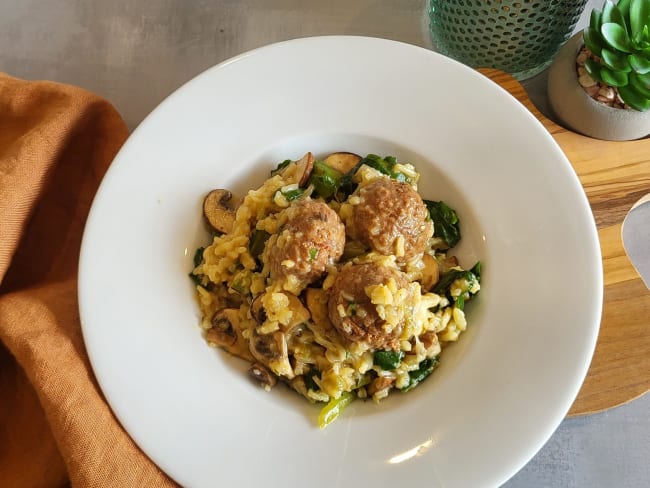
x=445 y=222
x=446 y=280
x=425 y=368
x=385 y=165
x=313 y=253
x=460 y=302
x=476 y=269
x=326 y=180
x=281 y=166
x=333 y=409
x=388 y=360
x=291 y=195
x=257 y=242
x=310 y=384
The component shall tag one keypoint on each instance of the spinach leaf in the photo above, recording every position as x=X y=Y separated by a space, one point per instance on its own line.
x=445 y=222
x=326 y=180
x=198 y=256
x=310 y=384
x=388 y=360
x=280 y=167
x=417 y=376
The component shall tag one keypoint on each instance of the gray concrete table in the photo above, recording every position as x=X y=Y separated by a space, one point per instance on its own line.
x=135 y=53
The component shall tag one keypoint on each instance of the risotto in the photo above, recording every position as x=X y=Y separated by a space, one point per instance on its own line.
x=335 y=277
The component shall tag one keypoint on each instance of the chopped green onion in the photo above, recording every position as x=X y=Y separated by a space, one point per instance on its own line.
x=332 y=410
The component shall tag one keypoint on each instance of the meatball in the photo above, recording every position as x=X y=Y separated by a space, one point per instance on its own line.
x=352 y=312
x=387 y=210
x=312 y=238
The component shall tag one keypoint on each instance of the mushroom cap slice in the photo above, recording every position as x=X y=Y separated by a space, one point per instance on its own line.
x=218 y=211
x=261 y=373
x=342 y=161
x=225 y=333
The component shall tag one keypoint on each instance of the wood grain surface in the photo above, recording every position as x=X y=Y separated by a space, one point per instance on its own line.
x=615 y=175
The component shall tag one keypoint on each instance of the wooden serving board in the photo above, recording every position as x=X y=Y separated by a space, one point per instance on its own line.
x=615 y=175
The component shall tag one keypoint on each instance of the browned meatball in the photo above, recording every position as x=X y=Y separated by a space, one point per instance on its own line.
x=389 y=209
x=352 y=312
x=312 y=238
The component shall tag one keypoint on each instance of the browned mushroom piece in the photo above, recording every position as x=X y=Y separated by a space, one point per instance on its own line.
x=305 y=166
x=261 y=373
x=379 y=384
x=218 y=211
x=271 y=350
x=342 y=161
x=299 y=171
x=448 y=263
x=225 y=333
x=430 y=272
x=257 y=309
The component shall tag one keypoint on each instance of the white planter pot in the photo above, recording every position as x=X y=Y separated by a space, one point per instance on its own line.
x=581 y=113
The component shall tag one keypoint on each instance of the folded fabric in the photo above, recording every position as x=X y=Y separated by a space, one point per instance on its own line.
x=56 y=142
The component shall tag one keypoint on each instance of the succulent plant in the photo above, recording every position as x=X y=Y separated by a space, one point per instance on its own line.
x=618 y=36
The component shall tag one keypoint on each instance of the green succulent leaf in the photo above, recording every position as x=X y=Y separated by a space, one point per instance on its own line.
x=639 y=85
x=613 y=78
x=644 y=78
x=611 y=14
x=593 y=68
x=639 y=17
x=596 y=19
x=593 y=40
x=615 y=60
x=624 y=7
x=640 y=64
x=616 y=36
x=633 y=98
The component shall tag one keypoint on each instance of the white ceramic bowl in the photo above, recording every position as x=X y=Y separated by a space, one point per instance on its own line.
x=500 y=391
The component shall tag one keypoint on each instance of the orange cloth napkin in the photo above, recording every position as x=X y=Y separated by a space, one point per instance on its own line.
x=56 y=142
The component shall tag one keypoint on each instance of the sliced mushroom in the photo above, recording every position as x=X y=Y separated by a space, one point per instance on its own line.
x=342 y=161
x=299 y=171
x=225 y=333
x=379 y=384
x=430 y=272
x=305 y=166
x=300 y=313
x=218 y=211
x=448 y=263
x=257 y=309
x=272 y=351
x=259 y=372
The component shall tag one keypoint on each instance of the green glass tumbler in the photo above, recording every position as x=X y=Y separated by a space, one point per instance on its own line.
x=518 y=37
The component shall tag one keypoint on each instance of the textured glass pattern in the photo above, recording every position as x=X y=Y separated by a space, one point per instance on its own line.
x=519 y=37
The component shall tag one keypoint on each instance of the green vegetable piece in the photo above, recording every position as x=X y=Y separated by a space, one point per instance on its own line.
x=313 y=253
x=616 y=36
x=445 y=222
x=198 y=256
x=424 y=370
x=446 y=280
x=257 y=242
x=460 y=302
x=388 y=360
x=310 y=384
x=326 y=180
x=633 y=98
x=333 y=409
x=280 y=167
x=477 y=269
x=292 y=195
